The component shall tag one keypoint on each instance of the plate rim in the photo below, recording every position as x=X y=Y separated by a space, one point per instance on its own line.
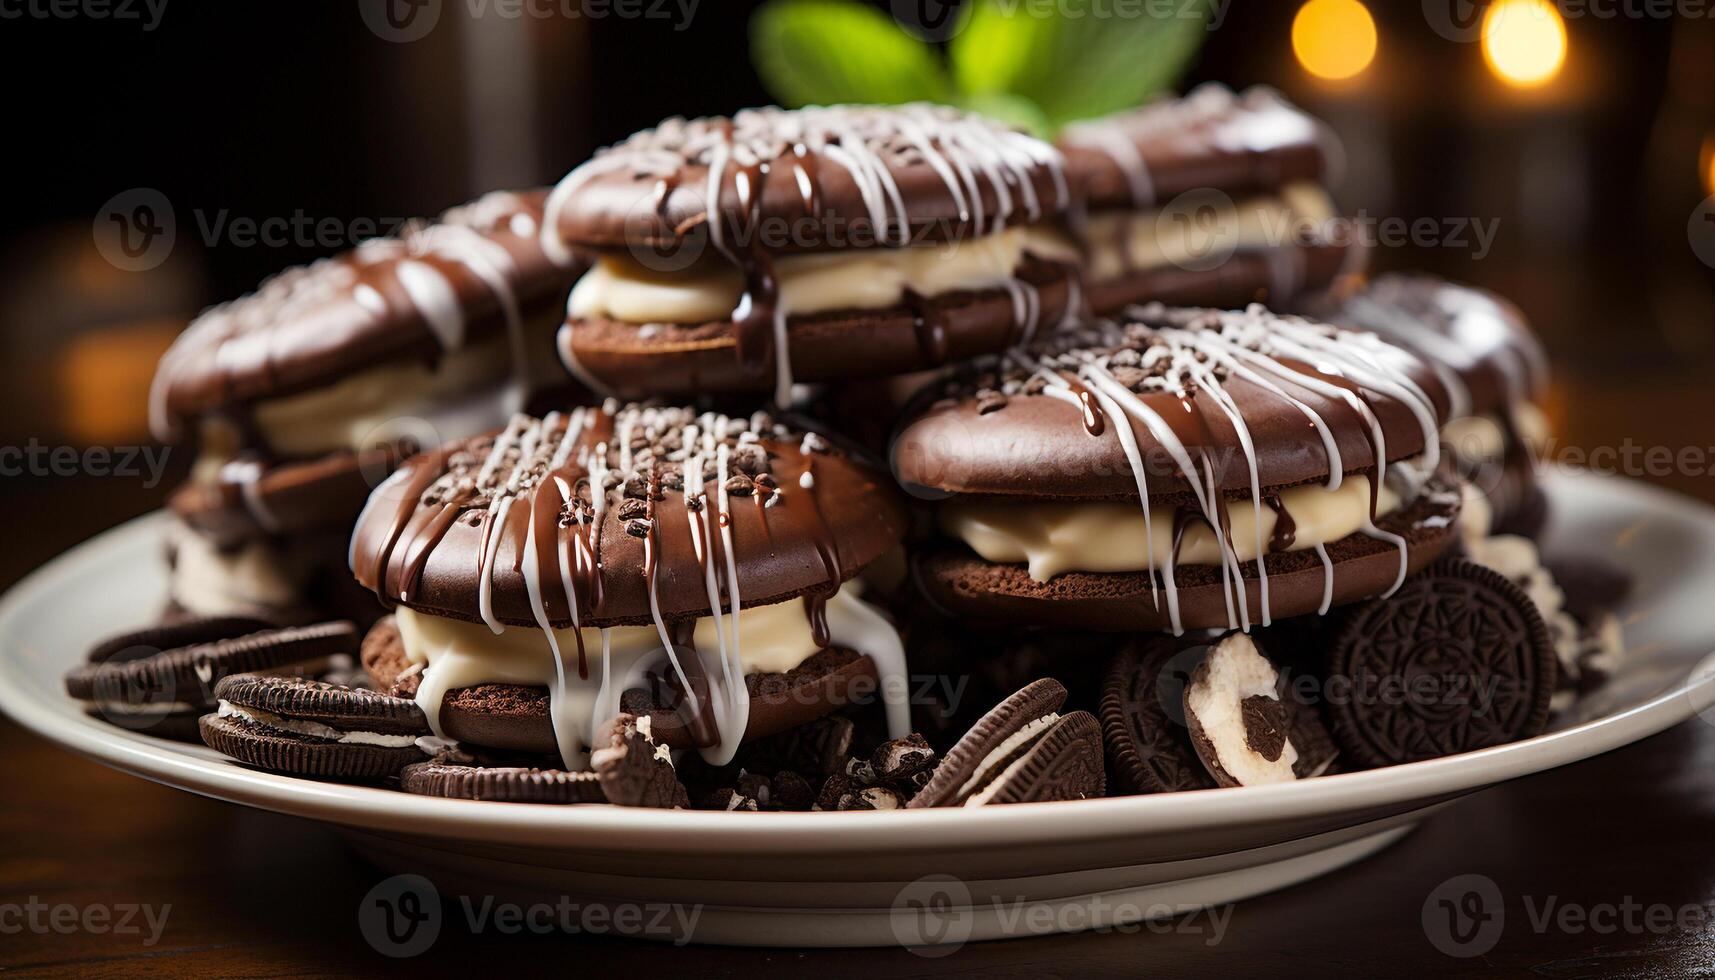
x=610 y=828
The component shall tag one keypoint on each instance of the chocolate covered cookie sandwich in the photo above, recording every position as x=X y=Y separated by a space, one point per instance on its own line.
x=746 y=253
x=1181 y=469
x=1494 y=370
x=1211 y=199
x=687 y=569
x=302 y=396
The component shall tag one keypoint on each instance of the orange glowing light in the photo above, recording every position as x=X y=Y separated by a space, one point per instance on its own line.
x=1706 y=160
x=1334 y=39
x=1524 y=41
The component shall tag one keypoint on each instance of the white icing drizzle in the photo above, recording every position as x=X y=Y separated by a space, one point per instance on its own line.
x=873 y=145
x=512 y=471
x=1189 y=352
x=461 y=236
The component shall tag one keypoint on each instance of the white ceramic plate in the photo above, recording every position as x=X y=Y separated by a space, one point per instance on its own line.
x=859 y=878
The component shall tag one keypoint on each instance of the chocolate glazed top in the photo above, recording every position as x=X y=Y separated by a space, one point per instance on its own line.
x=1042 y=422
x=430 y=290
x=1248 y=143
x=1484 y=347
x=504 y=528
x=813 y=179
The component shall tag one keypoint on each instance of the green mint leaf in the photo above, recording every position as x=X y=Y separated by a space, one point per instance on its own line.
x=1076 y=58
x=822 y=52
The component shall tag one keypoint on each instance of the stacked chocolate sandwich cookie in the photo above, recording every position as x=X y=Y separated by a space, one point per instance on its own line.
x=1494 y=370
x=1180 y=470
x=1213 y=198
x=689 y=568
x=746 y=253
x=302 y=396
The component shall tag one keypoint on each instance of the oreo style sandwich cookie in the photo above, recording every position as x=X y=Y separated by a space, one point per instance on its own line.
x=1457 y=660
x=1143 y=719
x=746 y=253
x=1179 y=470
x=656 y=561
x=303 y=395
x=311 y=728
x=1023 y=751
x=1211 y=199
x=1494 y=370
x=465 y=772
x=160 y=679
x=1243 y=728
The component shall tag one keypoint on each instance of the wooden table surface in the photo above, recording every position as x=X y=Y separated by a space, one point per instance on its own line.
x=1625 y=841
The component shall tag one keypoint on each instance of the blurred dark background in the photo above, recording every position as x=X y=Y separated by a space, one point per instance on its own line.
x=302 y=115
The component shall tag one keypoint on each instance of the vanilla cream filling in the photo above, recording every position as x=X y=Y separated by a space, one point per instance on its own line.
x=1121 y=242
x=999 y=754
x=621 y=288
x=1481 y=439
x=314 y=729
x=770 y=639
x=1236 y=671
x=1053 y=537
x=459 y=396
x=208 y=581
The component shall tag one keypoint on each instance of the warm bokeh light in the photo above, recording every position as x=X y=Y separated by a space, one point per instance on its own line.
x=104 y=379
x=1524 y=41
x=1706 y=164
x=1334 y=39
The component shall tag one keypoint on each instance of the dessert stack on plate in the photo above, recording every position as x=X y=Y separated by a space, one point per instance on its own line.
x=1214 y=198
x=1170 y=547
x=300 y=397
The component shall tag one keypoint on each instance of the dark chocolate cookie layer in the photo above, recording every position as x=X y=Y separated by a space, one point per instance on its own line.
x=1148 y=745
x=515 y=717
x=1273 y=277
x=1484 y=340
x=693 y=359
x=1459 y=659
x=453 y=532
x=311 y=728
x=500 y=784
x=1240 y=144
x=1046 y=423
x=1022 y=751
x=310 y=326
x=636 y=769
x=809 y=179
x=142 y=674
x=965 y=584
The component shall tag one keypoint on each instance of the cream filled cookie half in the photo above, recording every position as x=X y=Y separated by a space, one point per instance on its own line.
x=1117 y=243
x=773 y=639
x=1054 y=537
